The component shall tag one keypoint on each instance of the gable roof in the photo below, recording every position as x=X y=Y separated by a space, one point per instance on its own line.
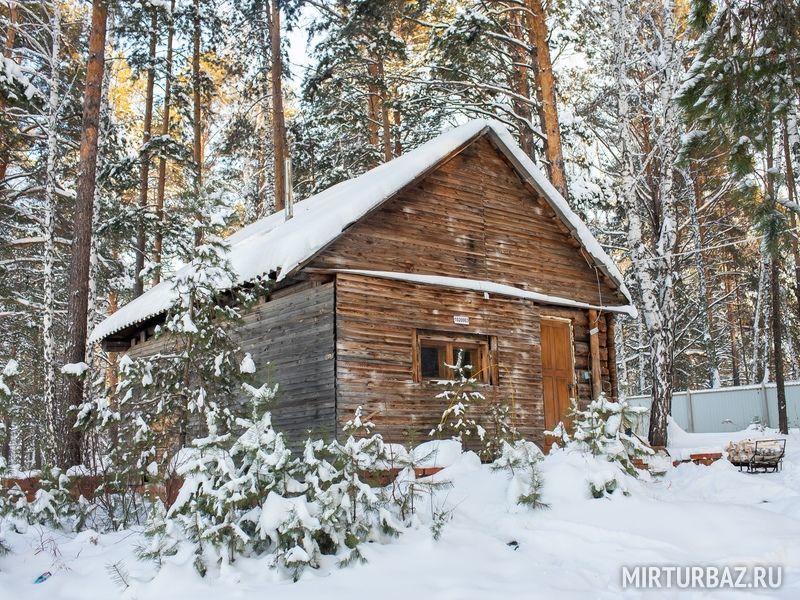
x=275 y=245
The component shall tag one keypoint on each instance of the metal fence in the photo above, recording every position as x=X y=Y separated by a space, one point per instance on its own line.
x=728 y=409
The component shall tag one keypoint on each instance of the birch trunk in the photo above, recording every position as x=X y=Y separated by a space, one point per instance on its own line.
x=161 y=185
x=51 y=412
x=197 y=129
x=144 y=171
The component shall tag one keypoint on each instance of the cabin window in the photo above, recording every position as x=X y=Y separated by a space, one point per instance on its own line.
x=434 y=351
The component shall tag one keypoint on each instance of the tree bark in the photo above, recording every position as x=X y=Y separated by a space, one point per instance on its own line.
x=197 y=145
x=161 y=185
x=82 y=222
x=777 y=346
x=385 y=124
x=732 y=330
x=792 y=193
x=706 y=316
x=520 y=83
x=373 y=102
x=144 y=156
x=8 y=50
x=278 y=118
x=51 y=412
x=546 y=94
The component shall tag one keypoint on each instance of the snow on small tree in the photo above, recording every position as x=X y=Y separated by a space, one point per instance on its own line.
x=460 y=393
x=7 y=376
x=199 y=373
x=604 y=429
x=367 y=517
x=500 y=430
x=521 y=460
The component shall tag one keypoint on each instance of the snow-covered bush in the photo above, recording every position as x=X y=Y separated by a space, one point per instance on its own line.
x=366 y=514
x=7 y=376
x=53 y=503
x=248 y=496
x=604 y=429
x=521 y=460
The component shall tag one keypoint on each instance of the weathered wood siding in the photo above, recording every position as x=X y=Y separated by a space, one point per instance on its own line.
x=473 y=217
x=375 y=323
x=294 y=334
x=291 y=340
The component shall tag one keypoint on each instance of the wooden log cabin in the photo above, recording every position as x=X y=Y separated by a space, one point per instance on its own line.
x=461 y=244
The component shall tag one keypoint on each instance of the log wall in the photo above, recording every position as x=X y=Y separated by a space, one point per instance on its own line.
x=375 y=323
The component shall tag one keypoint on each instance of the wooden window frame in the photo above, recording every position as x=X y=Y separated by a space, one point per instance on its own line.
x=486 y=346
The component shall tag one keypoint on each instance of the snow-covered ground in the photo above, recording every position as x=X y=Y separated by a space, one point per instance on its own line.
x=694 y=515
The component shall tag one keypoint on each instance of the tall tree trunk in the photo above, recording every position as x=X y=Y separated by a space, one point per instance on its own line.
x=144 y=156
x=706 y=317
x=398 y=143
x=197 y=145
x=732 y=330
x=386 y=126
x=278 y=119
x=82 y=222
x=792 y=193
x=776 y=328
x=51 y=412
x=777 y=347
x=520 y=84
x=373 y=103
x=546 y=94
x=161 y=185
x=8 y=51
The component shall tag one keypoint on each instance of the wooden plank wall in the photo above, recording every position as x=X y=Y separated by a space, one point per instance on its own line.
x=473 y=217
x=295 y=335
x=291 y=340
x=375 y=323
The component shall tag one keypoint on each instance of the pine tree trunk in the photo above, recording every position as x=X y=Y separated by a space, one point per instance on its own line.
x=732 y=331
x=8 y=50
x=51 y=413
x=776 y=328
x=144 y=156
x=546 y=93
x=706 y=316
x=777 y=347
x=158 y=240
x=82 y=222
x=386 y=126
x=373 y=102
x=197 y=142
x=398 y=144
x=278 y=118
x=520 y=84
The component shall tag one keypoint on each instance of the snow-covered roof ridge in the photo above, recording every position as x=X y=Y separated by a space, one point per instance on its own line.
x=275 y=245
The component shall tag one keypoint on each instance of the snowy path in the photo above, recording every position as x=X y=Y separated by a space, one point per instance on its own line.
x=694 y=515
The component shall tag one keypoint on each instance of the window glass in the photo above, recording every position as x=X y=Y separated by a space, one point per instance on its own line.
x=431 y=361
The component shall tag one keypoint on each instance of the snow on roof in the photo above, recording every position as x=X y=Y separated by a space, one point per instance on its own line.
x=275 y=245
x=489 y=287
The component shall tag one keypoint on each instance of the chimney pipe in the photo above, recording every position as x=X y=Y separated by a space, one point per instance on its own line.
x=289 y=191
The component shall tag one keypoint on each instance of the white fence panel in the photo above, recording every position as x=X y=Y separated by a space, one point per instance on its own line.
x=727 y=409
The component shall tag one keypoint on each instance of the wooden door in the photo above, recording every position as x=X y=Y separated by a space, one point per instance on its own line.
x=558 y=372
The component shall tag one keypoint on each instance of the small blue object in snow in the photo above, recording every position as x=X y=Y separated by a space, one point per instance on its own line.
x=43 y=577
